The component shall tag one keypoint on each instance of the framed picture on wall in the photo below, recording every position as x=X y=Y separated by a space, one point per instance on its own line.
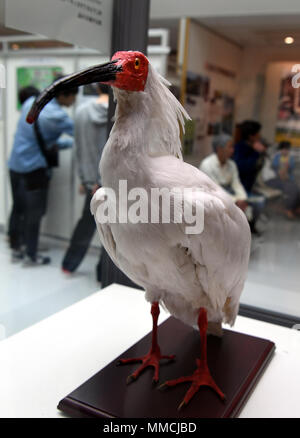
x=297 y=101
x=288 y=113
x=196 y=101
x=221 y=113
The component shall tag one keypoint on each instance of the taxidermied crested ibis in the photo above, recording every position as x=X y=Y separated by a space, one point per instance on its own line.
x=198 y=277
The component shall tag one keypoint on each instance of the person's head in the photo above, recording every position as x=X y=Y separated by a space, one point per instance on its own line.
x=284 y=147
x=26 y=92
x=66 y=97
x=102 y=88
x=250 y=131
x=223 y=147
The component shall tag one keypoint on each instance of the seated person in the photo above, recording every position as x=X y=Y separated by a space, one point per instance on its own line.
x=283 y=164
x=222 y=170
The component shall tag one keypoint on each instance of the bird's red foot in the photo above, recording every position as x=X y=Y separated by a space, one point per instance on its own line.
x=151 y=359
x=200 y=377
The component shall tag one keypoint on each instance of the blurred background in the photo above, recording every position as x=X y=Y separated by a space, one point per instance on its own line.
x=228 y=63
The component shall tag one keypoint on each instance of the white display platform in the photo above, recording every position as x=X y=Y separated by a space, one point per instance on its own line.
x=35 y=364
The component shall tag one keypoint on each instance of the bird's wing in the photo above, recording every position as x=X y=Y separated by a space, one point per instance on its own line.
x=104 y=229
x=219 y=253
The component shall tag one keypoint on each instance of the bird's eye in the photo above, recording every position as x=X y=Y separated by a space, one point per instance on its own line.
x=137 y=63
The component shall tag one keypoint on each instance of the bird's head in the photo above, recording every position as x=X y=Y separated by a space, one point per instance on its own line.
x=133 y=71
x=126 y=70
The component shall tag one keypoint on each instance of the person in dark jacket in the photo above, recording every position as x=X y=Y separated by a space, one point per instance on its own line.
x=90 y=138
x=249 y=153
x=16 y=223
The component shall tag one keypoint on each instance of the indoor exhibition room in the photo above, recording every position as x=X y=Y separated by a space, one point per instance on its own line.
x=149 y=209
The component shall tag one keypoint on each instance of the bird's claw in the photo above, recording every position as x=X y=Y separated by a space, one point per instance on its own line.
x=162 y=387
x=130 y=379
x=182 y=404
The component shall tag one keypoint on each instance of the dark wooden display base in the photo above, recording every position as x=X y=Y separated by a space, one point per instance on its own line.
x=236 y=361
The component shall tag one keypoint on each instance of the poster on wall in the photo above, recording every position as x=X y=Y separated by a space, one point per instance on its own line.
x=221 y=114
x=196 y=104
x=215 y=113
x=212 y=112
x=288 y=114
x=228 y=114
x=39 y=77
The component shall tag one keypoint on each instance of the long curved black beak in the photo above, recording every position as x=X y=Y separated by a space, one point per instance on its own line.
x=98 y=73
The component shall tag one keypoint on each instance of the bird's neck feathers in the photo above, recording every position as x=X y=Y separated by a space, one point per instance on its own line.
x=149 y=121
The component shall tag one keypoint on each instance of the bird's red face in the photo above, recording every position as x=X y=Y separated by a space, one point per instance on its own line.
x=133 y=71
x=126 y=70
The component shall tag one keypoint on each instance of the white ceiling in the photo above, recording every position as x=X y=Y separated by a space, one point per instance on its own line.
x=222 y=8
x=262 y=30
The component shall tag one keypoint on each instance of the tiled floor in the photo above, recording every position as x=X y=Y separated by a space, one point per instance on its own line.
x=28 y=295
x=274 y=271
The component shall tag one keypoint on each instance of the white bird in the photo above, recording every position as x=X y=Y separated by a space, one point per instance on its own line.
x=197 y=277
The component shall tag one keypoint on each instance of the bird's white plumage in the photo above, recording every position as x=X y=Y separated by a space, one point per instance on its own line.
x=184 y=272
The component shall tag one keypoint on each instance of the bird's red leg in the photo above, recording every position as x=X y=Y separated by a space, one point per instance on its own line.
x=154 y=355
x=201 y=376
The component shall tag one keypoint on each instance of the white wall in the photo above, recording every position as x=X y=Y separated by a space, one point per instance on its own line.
x=258 y=69
x=259 y=87
x=205 y=47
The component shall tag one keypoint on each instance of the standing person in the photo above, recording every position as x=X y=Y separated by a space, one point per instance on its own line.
x=17 y=217
x=29 y=159
x=283 y=164
x=90 y=138
x=249 y=156
x=249 y=153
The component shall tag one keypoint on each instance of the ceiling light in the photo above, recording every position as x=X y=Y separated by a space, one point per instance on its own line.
x=288 y=40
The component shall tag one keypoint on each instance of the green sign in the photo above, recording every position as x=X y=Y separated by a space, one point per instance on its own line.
x=39 y=77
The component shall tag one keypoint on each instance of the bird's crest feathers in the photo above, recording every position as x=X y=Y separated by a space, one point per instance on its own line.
x=169 y=115
x=156 y=117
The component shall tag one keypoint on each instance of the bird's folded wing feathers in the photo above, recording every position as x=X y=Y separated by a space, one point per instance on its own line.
x=104 y=229
x=220 y=252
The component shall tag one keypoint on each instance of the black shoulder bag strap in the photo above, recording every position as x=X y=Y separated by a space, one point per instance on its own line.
x=51 y=155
